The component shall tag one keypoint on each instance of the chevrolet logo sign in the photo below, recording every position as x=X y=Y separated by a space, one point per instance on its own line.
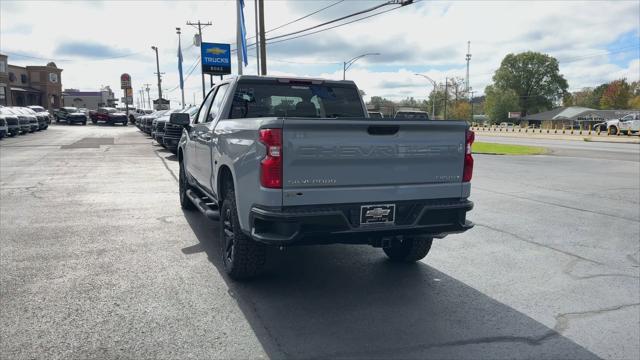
x=216 y=51
x=377 y=212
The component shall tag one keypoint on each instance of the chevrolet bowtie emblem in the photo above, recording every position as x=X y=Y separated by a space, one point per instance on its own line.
x=216 y=51
x=378 y=212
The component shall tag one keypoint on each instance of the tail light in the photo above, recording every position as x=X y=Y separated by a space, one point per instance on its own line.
x=468 y=159
x=271 y=165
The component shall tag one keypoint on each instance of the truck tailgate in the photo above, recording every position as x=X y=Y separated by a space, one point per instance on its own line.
x=330 y=161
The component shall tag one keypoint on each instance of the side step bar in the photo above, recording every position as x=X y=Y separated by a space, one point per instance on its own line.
x=203 y=206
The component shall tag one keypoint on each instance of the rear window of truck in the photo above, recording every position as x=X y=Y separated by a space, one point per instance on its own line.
x=274 y=99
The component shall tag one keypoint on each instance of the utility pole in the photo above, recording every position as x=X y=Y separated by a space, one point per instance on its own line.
x=200 y=25
x=471 y=101
x=262 y=45
x=155 y=48
x=468 y=58
x=446 y=95
x=148 y=95
x=180 y=68
x=255 y=8
x=239 y=36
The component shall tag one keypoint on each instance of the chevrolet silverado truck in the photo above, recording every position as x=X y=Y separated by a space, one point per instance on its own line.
x=71 y=115
x=283 y=162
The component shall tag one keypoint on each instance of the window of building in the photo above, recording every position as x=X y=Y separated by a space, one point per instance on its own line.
x=3 y=67
x=53 y=77
x=23 y=78
x=3 y=93
x=12 y=77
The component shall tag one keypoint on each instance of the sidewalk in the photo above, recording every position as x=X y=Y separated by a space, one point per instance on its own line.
x=576 y=136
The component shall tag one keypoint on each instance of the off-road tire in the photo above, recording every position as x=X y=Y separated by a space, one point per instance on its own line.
x=411 y=249
x=243 y=258
x=183 y=186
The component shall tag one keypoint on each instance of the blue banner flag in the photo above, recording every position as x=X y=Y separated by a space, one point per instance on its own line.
x=180 y=64
x=243 y=31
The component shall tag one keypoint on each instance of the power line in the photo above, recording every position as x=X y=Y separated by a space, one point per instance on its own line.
x=335 y=26
x=301 y=18
x=302 y=62
x=391 y=2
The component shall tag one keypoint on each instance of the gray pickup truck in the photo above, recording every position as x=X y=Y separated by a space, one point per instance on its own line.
x=282 y=162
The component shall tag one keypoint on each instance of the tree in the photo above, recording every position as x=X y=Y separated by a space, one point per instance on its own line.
x=534 y=78
x=460 y=111
x=499 y=102
x=585 y=98
x=616 y=96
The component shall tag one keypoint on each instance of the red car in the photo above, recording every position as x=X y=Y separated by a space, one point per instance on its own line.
x=109 y=115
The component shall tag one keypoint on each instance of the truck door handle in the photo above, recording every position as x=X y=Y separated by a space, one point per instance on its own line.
x=382 y=129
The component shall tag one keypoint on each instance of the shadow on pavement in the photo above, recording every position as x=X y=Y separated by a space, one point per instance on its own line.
x=350 y=302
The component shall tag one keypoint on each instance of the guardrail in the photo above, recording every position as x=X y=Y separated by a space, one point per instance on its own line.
x=555 y=130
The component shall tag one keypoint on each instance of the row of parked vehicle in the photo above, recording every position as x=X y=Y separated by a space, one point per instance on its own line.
x=107 y=115
x=16 y=120
x=157 y=126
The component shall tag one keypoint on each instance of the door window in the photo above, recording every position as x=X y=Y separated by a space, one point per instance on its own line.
x=217 y=102
x=202 y=115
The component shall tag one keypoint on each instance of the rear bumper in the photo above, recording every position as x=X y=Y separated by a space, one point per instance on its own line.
x=341 y=223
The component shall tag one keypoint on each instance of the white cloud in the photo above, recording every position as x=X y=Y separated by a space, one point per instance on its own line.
x=427 y=37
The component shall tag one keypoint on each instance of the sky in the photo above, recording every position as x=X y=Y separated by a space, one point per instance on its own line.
x=96 y=41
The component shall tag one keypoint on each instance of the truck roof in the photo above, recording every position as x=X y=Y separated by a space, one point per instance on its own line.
x=294 y=78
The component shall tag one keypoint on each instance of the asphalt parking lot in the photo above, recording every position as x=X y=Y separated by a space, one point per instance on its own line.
x=98 y=260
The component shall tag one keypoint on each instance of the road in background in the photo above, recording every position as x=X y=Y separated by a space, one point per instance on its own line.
x=98 y=260
x=574 y=148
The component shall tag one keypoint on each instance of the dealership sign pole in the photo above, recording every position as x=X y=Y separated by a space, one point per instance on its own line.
x=125 y=85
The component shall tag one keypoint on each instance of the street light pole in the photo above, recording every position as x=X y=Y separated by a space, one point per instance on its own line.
x=347 y=64
x=155 y=48
x=433 y=102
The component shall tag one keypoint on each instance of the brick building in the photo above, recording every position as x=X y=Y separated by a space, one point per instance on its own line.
x=30 y=85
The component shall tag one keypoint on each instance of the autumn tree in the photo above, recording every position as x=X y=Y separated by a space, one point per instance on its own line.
x=460 y=111
x=616 y=95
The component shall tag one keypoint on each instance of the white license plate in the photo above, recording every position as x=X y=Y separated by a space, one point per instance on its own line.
x=377 y=214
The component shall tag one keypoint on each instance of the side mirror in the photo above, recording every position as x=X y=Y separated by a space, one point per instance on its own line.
x=181 y=119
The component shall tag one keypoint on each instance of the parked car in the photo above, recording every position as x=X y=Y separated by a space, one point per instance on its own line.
x=137 y=113
x=317 y=170
x=31 y=118
x=412 y=115
x=43 y=119
x=154 y=124
x=13 y=123
x=4 y=129
x=376 y=115
x=41 y=110
x=172 y=133
x=110 y=116
x=146 y=124
x=629 y=123
x=506 y=125
x=70 y=115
